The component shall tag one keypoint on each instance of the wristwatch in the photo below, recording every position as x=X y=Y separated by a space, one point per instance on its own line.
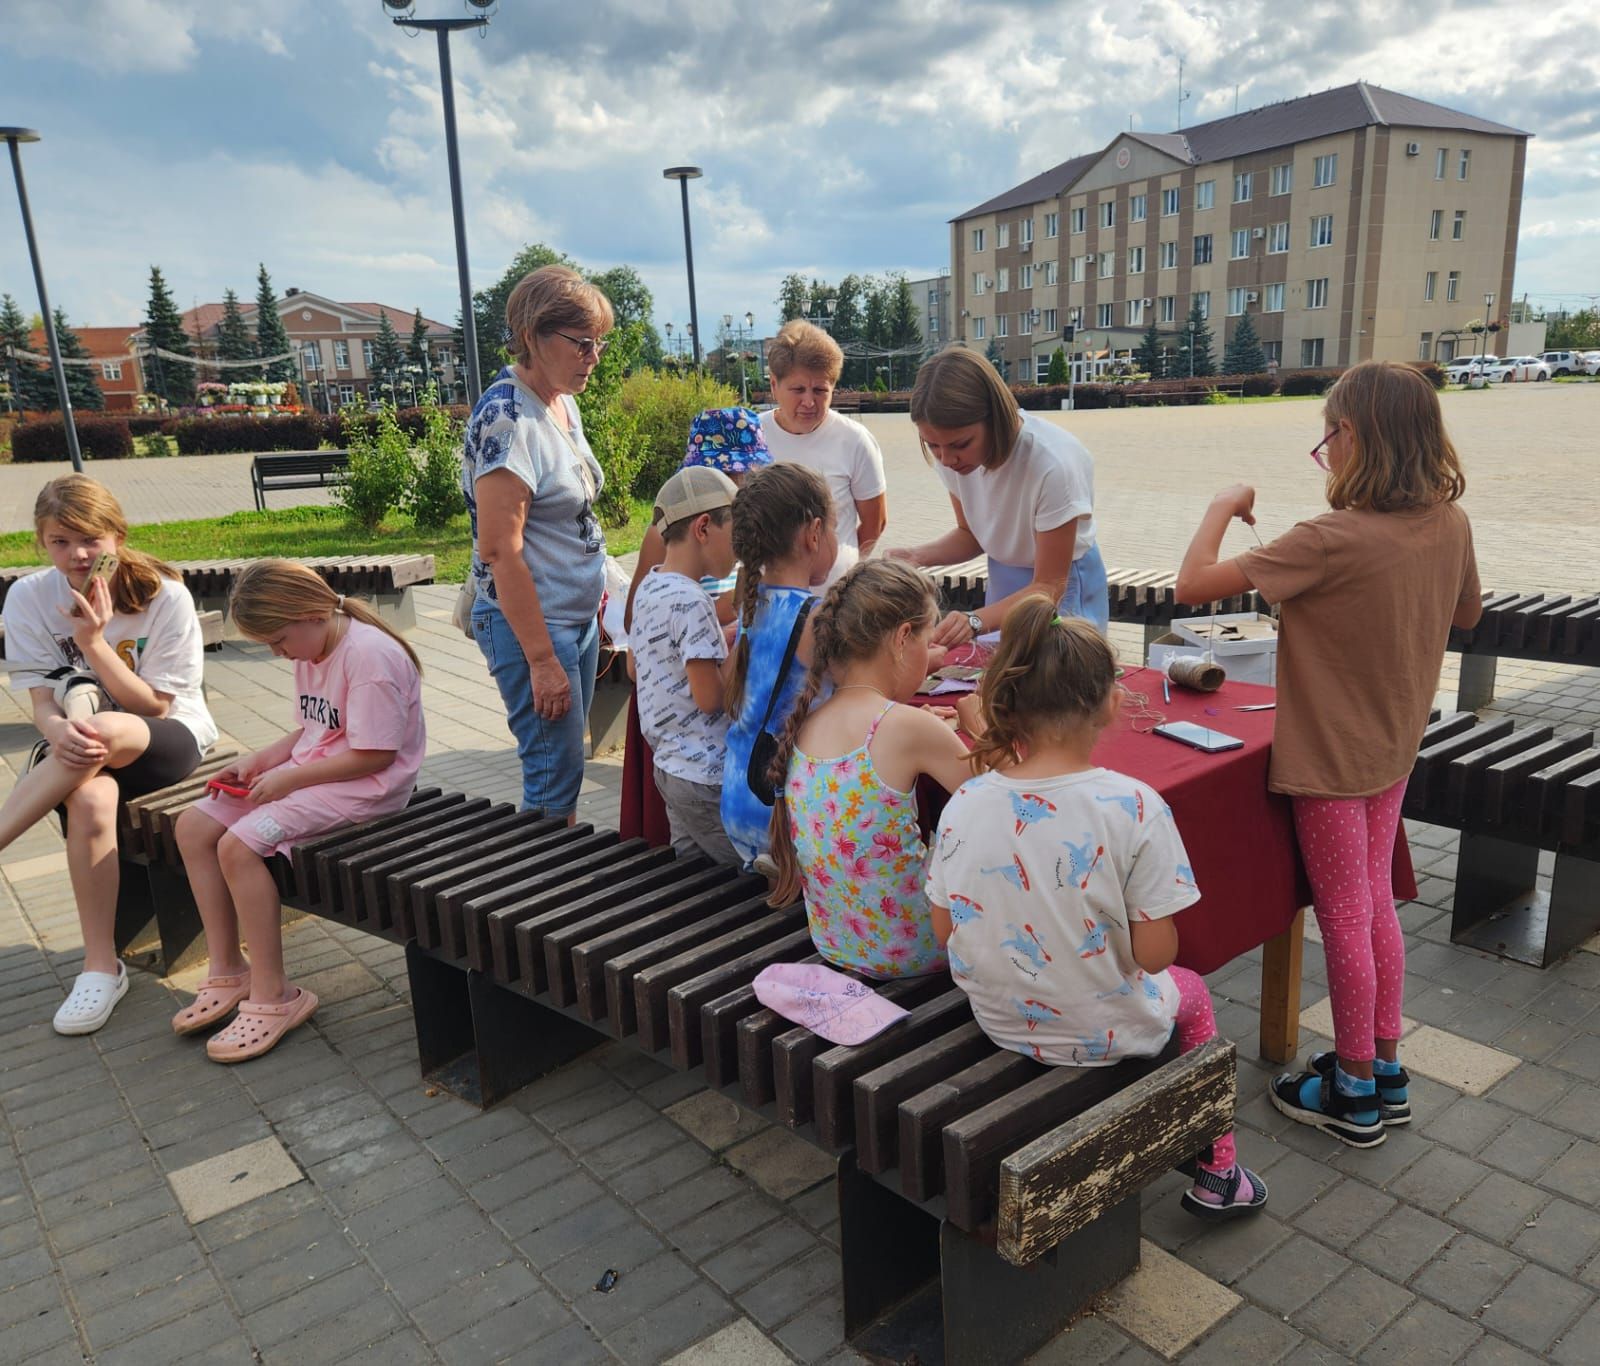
x=976 y=622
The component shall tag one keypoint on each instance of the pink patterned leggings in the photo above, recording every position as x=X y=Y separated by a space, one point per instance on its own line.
x=1197 y=1025
x=1348 y=847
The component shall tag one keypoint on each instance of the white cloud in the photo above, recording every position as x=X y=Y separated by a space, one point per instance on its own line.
x=139 y=35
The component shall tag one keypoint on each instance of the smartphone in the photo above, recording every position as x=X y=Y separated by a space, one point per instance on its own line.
x=217 y=785
x=104 y=566
x=1198 y=737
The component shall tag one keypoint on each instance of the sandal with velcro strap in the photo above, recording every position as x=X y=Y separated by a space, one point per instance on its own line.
x=1226 y=1186
x=1334 y=1109
x=1393 y=1111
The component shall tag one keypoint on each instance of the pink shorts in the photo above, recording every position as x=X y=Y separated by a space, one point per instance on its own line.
x=276 y=827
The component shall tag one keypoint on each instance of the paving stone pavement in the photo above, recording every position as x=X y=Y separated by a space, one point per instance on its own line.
x=408 y=1226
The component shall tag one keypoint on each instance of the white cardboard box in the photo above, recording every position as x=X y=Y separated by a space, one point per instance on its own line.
x=1245 y=644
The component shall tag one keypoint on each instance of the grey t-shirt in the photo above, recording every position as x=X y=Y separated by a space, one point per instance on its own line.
x=561 y=539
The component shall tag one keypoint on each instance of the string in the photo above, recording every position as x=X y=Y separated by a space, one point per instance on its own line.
x=1142 y=717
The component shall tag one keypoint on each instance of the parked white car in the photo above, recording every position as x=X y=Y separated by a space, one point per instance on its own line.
x=1590 y=362
x=1565 y=362
x=1460 y=370
x=1517 y=368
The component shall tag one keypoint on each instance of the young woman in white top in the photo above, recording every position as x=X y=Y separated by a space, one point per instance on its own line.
x=137 y=637
x=1023 y=494
x=805 y=363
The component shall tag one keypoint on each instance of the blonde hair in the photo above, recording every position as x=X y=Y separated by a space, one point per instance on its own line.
x=1050 y=674
x=854 y=621
x=552 y=299
x=269 y=595
x=800 y=345
x=959 y=388
x=1401 y=457
x=771 y=509
x=88 y=507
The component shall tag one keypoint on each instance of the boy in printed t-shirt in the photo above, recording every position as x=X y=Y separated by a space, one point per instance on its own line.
x=678 y=649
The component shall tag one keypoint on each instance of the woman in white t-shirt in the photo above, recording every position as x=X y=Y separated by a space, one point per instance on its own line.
x=805 y=363
x=112 y=667
x=1023 y=494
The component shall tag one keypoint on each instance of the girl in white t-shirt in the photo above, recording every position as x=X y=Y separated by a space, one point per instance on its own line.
x=1054 y=882
x=112 y=667
x=1023 y=493
x=354 y=755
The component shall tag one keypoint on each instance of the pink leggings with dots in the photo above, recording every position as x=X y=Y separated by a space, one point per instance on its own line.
x=1348 y=847
x=1197 y=1025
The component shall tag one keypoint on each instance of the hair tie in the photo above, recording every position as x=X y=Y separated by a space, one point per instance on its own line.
x=1054 y=621
x=339 y=605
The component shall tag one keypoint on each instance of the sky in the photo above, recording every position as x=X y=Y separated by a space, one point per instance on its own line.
x=836 y=136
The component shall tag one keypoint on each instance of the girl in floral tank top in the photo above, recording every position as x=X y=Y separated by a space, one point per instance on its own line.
x=844 y=827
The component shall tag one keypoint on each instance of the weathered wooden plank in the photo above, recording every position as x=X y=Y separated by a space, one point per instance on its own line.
x=686 y=998
x=877 y=1094
x=924 y=1115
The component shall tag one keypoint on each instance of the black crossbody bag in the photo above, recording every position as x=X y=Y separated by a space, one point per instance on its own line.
x=765 y=749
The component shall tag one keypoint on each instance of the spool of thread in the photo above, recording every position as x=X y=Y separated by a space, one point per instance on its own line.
x=1201 y=675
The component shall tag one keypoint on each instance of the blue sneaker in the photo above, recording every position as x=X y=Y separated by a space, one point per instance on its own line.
x=1312 y=1098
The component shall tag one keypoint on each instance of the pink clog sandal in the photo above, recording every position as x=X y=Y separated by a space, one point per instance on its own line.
x=213 y=1003
x=258 y=1027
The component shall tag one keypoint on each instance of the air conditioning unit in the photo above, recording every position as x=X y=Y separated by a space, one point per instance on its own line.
x=1413 y=149
x=1149 y=303
x=1258 y=233
x=1025 y=246
x=1250 y=296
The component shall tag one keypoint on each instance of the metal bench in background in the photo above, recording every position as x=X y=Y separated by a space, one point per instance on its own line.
x=295 y=470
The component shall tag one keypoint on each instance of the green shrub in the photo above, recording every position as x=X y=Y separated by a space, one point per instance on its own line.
x=1301 y=382
x=1430 y=371
x=99 y=438
x=434 y=496
x=380 y=472
x=662 y=405
x=224 y=435
x=156 y=445
x=612 y=433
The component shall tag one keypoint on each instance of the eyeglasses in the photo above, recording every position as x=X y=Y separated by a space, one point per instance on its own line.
x=1318 y=452
x=587 y=346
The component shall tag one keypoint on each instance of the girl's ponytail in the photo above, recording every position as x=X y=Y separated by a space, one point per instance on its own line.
x=747 y=594
x=269 y=595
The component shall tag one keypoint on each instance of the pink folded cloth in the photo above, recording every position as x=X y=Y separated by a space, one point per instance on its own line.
x=839 y=1008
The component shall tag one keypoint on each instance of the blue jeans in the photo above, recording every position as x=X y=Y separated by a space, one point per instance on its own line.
x=551 y=751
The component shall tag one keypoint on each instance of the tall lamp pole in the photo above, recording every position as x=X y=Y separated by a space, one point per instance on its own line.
x=683 y=175
x=13 y=137
x=442 y=29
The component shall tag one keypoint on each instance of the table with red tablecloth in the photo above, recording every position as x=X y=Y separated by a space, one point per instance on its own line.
x=1239 y=836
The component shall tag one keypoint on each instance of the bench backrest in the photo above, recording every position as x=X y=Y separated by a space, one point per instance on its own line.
x=276 y=464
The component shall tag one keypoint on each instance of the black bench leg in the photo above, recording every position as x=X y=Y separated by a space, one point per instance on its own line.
x=888 y=1250
x=479 y=1041
x=1500 y=909
x=153 y=893
x=1475 y=690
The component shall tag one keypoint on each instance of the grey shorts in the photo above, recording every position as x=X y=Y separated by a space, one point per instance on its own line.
x=694 y=818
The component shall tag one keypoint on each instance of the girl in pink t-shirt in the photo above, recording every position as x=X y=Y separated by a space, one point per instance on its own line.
x=360 y=742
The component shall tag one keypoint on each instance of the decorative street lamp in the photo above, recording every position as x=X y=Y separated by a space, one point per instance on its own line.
x=683 y=175
x=742 y=334
x=442 y=29
x=14 y=136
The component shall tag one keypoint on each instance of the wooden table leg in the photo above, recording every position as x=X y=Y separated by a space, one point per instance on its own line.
x=1280 y=992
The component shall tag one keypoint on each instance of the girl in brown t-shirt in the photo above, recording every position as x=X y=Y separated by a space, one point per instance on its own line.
x=1367 y=594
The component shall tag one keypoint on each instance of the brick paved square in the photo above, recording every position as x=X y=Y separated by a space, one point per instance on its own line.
x=1165 y=1304
x=1535 y=1306
x=1467 y=1275
x=1354 y=1311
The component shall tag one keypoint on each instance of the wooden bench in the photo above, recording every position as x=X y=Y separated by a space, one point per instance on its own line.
x=295 y=470
x=1513 y=791
x=980 y=1193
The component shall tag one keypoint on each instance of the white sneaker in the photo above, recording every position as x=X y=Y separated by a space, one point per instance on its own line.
x=94 y=995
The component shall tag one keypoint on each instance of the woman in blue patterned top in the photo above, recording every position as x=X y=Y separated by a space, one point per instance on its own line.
x=538 y=556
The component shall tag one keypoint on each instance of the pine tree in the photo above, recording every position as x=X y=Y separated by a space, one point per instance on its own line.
x=83 y=388
x=1058 y=372
x=1148 y=355
x=1243 y=354
x=388 y=355
x=1199 y=342
x=904 y=327
x=272 y=338
x=19 y=373
x=417 y=347
x=163 y=329
x=234 y=341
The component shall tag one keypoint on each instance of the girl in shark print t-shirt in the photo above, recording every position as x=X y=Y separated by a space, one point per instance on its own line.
x=1054 y=882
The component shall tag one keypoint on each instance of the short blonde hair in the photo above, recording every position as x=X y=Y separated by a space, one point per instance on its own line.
x=551 y=299
x=800 y=345
x=959 y=388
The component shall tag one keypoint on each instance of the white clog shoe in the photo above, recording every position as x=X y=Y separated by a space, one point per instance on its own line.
x=94 y=995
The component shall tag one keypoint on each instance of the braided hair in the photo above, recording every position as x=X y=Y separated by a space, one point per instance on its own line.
x=860 y=613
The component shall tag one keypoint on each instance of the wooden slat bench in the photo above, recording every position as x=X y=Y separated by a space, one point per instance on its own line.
x=295 y=470
x=1513 y=791
x=978 y=1190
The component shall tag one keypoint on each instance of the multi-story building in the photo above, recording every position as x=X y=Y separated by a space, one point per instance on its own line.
x=1353 y=224
x=117 y=363
x=932 y=297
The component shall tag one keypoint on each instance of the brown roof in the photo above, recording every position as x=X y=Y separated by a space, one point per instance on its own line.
x=205 y=318
x=1273 y=125
x=108 y=343
x=399 y=318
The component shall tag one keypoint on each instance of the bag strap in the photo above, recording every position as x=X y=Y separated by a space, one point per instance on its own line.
x=788 y=656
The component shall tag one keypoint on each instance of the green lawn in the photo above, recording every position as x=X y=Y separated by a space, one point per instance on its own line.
x=294 y=532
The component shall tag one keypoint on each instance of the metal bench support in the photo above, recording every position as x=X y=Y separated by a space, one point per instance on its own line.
x=1499 y=908
x=1476 y=687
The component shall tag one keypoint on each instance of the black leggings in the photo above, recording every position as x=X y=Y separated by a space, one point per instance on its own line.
x=171 y=756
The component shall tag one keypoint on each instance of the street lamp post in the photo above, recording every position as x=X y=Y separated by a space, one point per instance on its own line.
x=442 y=29
x=13 y=137
x=683 y=175
x=1191 y=348
x=1488 y=310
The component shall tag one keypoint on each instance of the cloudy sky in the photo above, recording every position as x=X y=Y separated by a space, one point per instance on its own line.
x=835 y=136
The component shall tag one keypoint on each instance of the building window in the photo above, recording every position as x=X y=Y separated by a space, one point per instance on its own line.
x=1135 y=312
x=1464 y=164
x=1452 y=286
x=1283 y=178
x=1103 y=314
x=1274 y=300
x=1435 y=224
x=1025 y=322
x=1235 y=302
x=1439 y=158
x=1241 y=244
x=978 y=285
x=1277 y=239
x=1049 y=272
x=1202 y=249
x=1002 y=279
x=1041 y=369
x=1322 y=230
x=1108 y=264
x=347 y=393
x=1135 y=260
x=1024 y=277
x=1458 y=229
x=1169 y=203
x=366 y=350
x=1138 y=208
x=341 y=355
x=1317 y=293
x=1168 y=255
x=1080 y=218
x=1202 y=301
x=977 y=239
x=1325 y=170
x=111 y=369
x=1025 y=231
x=1272 y=352
x=1108 y=214
x=1243 y=183
x=313 y=355
x=1075 y=270
x=1430 y=283
x=1050 y=320
x=1205 y=194
x=978 y=327
x=1052 y=225
x=1002 y=235
x=1002 y=325
x=1167 y=308
x=1425 y=346
x=1311 y=352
